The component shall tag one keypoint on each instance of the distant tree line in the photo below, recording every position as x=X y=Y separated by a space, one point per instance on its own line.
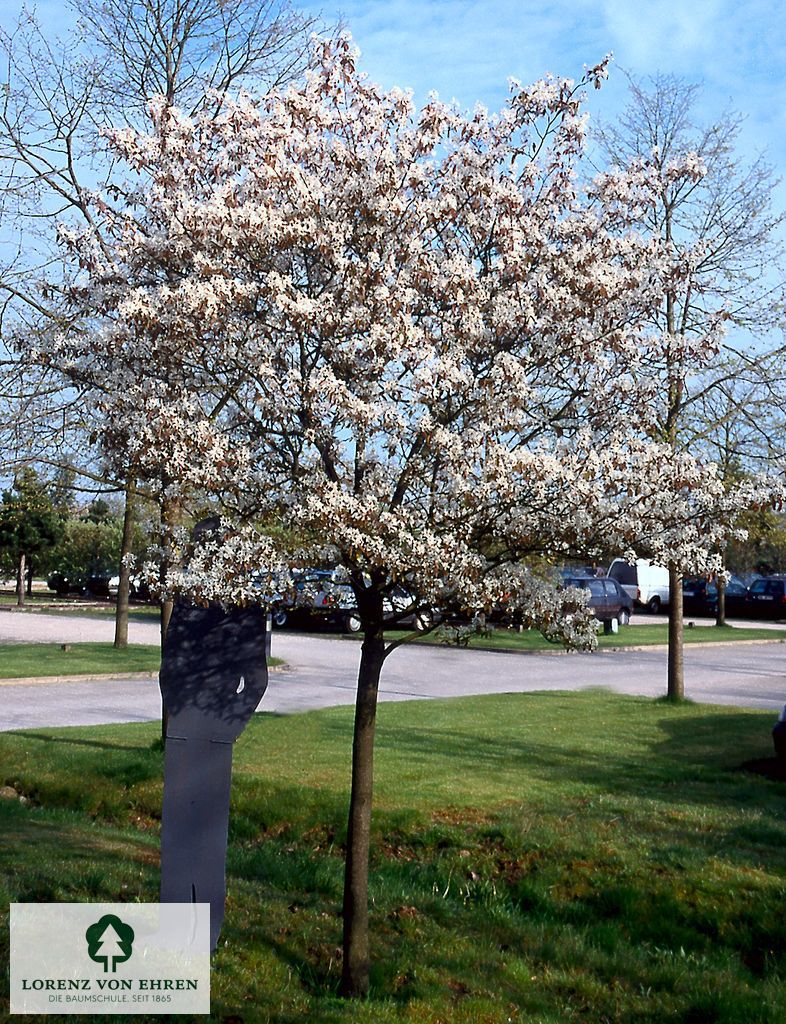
x=45 y=530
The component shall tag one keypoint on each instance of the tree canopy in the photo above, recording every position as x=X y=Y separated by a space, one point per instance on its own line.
x=410 y=338
x=29 y=523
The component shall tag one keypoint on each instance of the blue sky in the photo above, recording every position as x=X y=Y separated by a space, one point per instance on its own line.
x=467 y=49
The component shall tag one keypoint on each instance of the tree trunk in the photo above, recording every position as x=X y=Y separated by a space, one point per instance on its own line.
x=169 y=517
x=166 y=615
x=720 y=616
x=676 y=674
x=355 y=969
x=124 y=582
x=30 y=579
x=20 y=580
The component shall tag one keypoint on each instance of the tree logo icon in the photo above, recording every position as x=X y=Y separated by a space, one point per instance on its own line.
x=110 y=942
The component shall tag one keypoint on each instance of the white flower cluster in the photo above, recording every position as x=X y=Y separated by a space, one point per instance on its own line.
x=408 y=336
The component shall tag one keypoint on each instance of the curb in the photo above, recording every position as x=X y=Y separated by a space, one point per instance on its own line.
x=53 y=607
x=108 y=677
x=602 y=650
x=41 y=680
x=699 y=643
x=557 y=651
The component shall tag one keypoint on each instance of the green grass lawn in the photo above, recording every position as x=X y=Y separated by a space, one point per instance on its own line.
x=47 y=602
x=18 y=661
x=553 y=858
x=35 y=600
x=628 y=636
x=21 y=660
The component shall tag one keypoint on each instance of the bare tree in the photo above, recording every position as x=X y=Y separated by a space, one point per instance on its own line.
x=726 y=218
x=191 y=51
x=56 y=96
x=732 y=421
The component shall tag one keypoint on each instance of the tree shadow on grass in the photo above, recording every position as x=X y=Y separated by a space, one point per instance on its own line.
x=683 y=755
x=654 y=756
x=53 y=860
x=80 y=742
x=772 y=768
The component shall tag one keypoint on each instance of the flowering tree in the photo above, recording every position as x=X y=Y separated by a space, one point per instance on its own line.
x=406 y=337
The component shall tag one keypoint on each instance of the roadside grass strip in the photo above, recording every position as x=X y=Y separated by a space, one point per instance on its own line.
x=21 y=661
x=33 y=661
x=51 y=604
x=628 y=636
x=561 y=858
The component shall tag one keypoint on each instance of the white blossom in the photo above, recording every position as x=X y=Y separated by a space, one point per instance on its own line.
x=407 y=336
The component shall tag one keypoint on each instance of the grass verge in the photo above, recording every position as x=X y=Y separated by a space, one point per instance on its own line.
x=19 y=661
x=543 y=858
x=35 y=600
x=48 y=603
x=628 y=636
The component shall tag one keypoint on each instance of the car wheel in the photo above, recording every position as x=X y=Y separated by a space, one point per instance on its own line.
x=352 y=623
x=624 y=617
x=654 y=605
x=280 y=618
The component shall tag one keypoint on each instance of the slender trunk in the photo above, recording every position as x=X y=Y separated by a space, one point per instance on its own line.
x=166 y=615
x=356 y=963
x=720 y=616
x=30 y=579
x=124 y=584
x=20 y=580
x=169 y=517
x=676 y=674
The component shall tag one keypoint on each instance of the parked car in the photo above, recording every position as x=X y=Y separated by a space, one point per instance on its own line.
x=766 y=598
x=607 y=598
x=63 y=583
x=646 y=584
x=320 y=597
x=317 y=598
x=138 y=589
x=700 y=596
x=583 y=570
x=95 y=584
x=402 y=612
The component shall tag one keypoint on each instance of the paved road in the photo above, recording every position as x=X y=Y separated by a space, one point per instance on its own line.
x=61 y=628
x=322 y=672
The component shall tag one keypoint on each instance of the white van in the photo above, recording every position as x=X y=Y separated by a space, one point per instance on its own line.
x=646 y=583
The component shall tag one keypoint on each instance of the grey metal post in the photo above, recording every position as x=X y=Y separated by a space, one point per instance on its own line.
x=213 y=676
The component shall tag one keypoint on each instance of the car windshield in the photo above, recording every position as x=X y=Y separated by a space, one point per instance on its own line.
x=624 y=573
